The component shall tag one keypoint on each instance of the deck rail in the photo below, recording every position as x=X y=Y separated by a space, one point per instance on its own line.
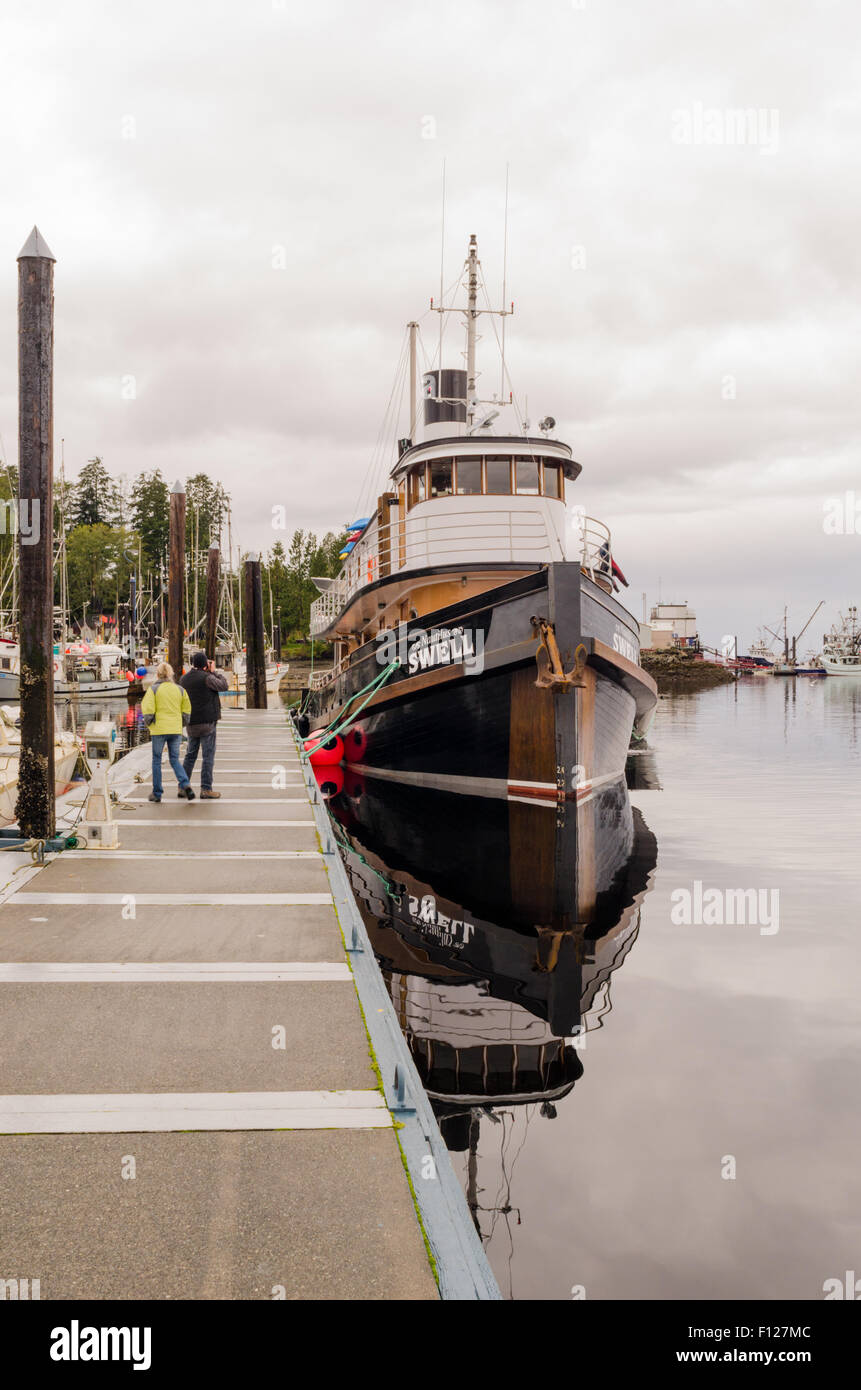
x=427 y=538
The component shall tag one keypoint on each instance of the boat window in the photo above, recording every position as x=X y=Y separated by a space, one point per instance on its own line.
x=498 y=474
x=440 y=478
x=526 y=472
x=469 y=477
x=417 y=486
x=552 y=480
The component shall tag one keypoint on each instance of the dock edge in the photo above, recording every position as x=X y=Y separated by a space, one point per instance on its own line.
x=463 y=1269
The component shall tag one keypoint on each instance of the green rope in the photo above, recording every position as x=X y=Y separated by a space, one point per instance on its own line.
x=346 y=845
x=343 y=719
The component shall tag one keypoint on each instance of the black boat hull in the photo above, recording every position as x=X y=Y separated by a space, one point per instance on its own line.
x=531 y=689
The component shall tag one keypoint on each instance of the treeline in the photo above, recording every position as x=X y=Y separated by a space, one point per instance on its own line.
x=110 y=528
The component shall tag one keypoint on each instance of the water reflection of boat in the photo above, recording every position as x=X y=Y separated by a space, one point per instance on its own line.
x=641 y=770
x=497 y=926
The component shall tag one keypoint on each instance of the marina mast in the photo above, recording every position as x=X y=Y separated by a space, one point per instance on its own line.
x=471 y=315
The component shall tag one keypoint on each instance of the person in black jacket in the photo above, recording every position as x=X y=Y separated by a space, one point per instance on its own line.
x=203 y=683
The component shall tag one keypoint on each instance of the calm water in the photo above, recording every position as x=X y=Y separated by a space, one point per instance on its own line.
x=597 y=1065
x=125 y=714
x=74 y=715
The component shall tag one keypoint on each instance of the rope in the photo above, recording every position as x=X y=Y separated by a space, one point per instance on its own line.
x=342 y=841
x=341 y=720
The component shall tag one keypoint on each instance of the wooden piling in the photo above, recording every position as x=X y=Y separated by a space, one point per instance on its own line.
x=255 y=653
x=133 y=618
x=212 y=573
x=35 y=808
x=176 y=580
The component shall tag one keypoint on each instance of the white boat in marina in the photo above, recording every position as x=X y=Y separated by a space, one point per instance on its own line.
x=66 y=752
x=762 y=652
x=10 y=656
x=841 y=647
x=89 y=668
x=233 y=664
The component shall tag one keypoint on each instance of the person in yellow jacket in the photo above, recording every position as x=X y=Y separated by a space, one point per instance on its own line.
x=163 y=708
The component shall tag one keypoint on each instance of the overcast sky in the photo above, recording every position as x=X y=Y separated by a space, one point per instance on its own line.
x=686 y=289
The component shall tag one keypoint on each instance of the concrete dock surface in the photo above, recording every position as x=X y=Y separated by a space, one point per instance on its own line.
x=188 y=1104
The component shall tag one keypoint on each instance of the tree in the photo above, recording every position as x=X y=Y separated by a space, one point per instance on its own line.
x=205 y=505
x=95 y=496
x=290 y=575
x=150 y=516
x=100 y=560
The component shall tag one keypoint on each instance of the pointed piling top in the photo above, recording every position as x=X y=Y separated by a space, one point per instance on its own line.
x=177 y=487
x=36 y=246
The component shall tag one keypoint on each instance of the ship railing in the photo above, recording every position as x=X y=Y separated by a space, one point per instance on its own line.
x=596 y=549
x=319 y=679
x=480 y=535
x=325 y=609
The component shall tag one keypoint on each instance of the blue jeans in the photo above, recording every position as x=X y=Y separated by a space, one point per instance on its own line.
x=206 y=743
x=172 y=741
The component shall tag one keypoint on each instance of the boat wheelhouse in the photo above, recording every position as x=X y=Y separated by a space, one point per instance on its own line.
x=479 y=643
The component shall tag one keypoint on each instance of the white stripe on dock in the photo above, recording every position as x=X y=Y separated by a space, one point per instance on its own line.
x=173 y=972
x=191 y=853
x=161 y=1112
x=241 y=800
x=209 y=825
x=175 y=899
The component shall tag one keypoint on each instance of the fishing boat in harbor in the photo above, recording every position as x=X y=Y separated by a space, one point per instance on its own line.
x=480 y=646
x=841 y=647
x=236 y=669
x=788 y=664
x=761 y=653
x=89 y=669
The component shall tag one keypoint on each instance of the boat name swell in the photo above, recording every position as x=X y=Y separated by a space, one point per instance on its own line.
x=426 y=915
x=625 y=647
x=442 y=647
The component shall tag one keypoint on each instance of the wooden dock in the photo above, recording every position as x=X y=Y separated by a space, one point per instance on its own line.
x=188 y=1104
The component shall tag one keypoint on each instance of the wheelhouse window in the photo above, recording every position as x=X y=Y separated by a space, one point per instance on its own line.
x=552 y=480
x=494 y=475
x=441 y=478
x=418 y=487
x=527 y=477
x=469 y=477
x=498 y=472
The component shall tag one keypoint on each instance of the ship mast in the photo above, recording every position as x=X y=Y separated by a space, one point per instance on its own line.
x=471 y=312
x=413 y=328
x=471 y=315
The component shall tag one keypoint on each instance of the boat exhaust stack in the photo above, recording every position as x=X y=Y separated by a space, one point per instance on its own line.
x=444 y=397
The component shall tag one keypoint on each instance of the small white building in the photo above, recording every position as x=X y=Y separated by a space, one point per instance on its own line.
x=670 y=625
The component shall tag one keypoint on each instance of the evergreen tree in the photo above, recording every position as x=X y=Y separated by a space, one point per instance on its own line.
x=149 y=513
x=100 y=562
x=291 y=576
x=95 y=496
